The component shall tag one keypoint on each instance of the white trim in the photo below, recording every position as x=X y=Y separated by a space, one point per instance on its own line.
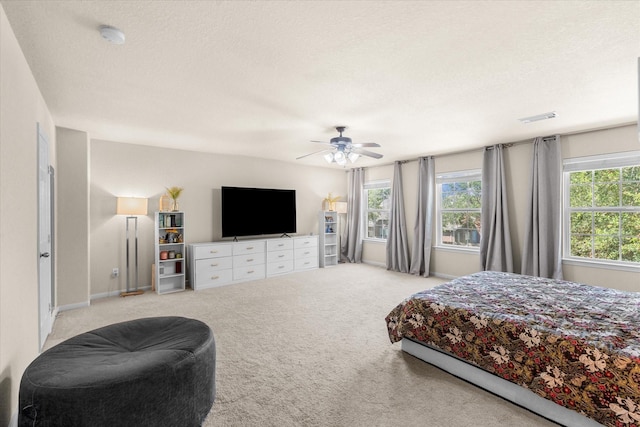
x=589 y=163
x=602 y=264
x=116 y=293
x=454 y=248
x=374 y=240
x=380 y=183
x=376 y=264
x=458 y=176
x=13 y=422
x=601 y=161
x=67 y=307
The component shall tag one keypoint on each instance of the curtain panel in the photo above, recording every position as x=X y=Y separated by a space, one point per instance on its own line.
x=423 y=229
x=397 y=244
x=495 y=243
x=542 y=252
x=351 y=239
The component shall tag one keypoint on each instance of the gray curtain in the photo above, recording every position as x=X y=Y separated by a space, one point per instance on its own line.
x=423 y=229
x=351 y=239
x=495 y=243
x=542 y=252
x=397 y=244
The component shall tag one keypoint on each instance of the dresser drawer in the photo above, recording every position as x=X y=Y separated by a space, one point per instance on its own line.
x=306 y=263
x=306 y=252
x=242 y=248
x=213 y=279
x=251 y=272
x=277 y=256
x=248 y=260
x=279 y=244
x=205 y=266
x=280 y=267
x=306 y=242
x=212 y=251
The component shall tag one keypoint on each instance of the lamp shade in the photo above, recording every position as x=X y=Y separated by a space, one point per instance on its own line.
x=131 y=206
x=341 y=207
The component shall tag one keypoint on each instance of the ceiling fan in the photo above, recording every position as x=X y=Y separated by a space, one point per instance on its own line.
x=343 y=149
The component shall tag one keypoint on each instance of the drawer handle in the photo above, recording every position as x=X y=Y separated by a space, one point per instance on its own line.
x=280 y=244
x=214 y=265
x=249 y=247
x=213 y=251
x=281 y=267
x=250 y=272
x=280 y=256
x=215 y=277
x=306 y=253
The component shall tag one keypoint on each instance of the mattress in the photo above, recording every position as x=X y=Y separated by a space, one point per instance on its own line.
x=574 y=344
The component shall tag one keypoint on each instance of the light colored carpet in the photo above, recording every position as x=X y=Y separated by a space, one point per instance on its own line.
x=311 y=349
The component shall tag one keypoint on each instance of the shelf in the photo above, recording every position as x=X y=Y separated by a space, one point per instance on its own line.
x=170 y=273
x=166 y=276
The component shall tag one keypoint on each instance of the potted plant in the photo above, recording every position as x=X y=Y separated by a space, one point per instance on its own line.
x=329 y=203
x=174 y=193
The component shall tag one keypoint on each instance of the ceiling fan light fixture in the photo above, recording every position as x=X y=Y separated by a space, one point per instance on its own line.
x=353 y=157
x=340 y=158
x=328 y=157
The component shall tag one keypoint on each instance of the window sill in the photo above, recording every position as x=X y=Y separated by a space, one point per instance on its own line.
x=467 y=249
x=601 y=264
x=379 y=241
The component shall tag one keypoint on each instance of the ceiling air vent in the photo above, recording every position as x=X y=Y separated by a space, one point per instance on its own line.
x=539 y=117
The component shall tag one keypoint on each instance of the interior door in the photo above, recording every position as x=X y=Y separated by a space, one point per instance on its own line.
x=45 y=254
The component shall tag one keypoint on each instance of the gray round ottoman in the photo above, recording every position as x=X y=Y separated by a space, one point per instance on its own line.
x=157 y=371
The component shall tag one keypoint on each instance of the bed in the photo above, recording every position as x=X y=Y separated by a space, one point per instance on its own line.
x=567 y=351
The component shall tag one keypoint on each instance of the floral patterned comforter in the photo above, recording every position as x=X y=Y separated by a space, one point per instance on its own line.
x=574 y=344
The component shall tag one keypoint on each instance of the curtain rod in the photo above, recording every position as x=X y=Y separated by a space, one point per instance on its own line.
x=509 y=144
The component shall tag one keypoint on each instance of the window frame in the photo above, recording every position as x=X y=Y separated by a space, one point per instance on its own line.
x=468 y=175
x=593 y=163
x=373 y=185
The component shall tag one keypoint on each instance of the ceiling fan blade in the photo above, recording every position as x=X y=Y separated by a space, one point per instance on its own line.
x=322 y=142
x=367 y=153
x=311 y=154
x=366 y=144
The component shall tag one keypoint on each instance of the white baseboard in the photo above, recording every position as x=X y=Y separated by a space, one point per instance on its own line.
x=66 y=307
x=443 y=276
x=116 y=293
x=14 y=420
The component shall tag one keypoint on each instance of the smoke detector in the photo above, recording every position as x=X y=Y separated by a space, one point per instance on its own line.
x=112 y=34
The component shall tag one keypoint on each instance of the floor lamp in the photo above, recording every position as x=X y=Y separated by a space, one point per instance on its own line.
x=132 y=206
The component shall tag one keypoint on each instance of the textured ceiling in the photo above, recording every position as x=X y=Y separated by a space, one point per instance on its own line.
x=262 y=78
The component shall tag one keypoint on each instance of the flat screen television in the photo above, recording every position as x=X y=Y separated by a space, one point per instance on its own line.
x=257 y=211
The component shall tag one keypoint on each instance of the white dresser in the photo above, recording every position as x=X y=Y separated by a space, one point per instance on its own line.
x=222 y=263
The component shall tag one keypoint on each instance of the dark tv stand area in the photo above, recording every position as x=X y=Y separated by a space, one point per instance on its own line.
x=285 y=235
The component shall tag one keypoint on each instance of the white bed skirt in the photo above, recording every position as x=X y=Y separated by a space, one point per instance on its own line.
x=499 y=386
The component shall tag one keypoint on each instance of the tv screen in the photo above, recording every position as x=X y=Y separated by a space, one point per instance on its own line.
x=257 y=211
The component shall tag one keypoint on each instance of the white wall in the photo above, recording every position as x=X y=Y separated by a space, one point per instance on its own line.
x=450 y=263
x=72 y=218
x=134 y=170
x=21 y=108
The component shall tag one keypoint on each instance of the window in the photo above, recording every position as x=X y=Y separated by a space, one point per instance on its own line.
x=458 y=209
x=377 y=202
x=602 y=208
